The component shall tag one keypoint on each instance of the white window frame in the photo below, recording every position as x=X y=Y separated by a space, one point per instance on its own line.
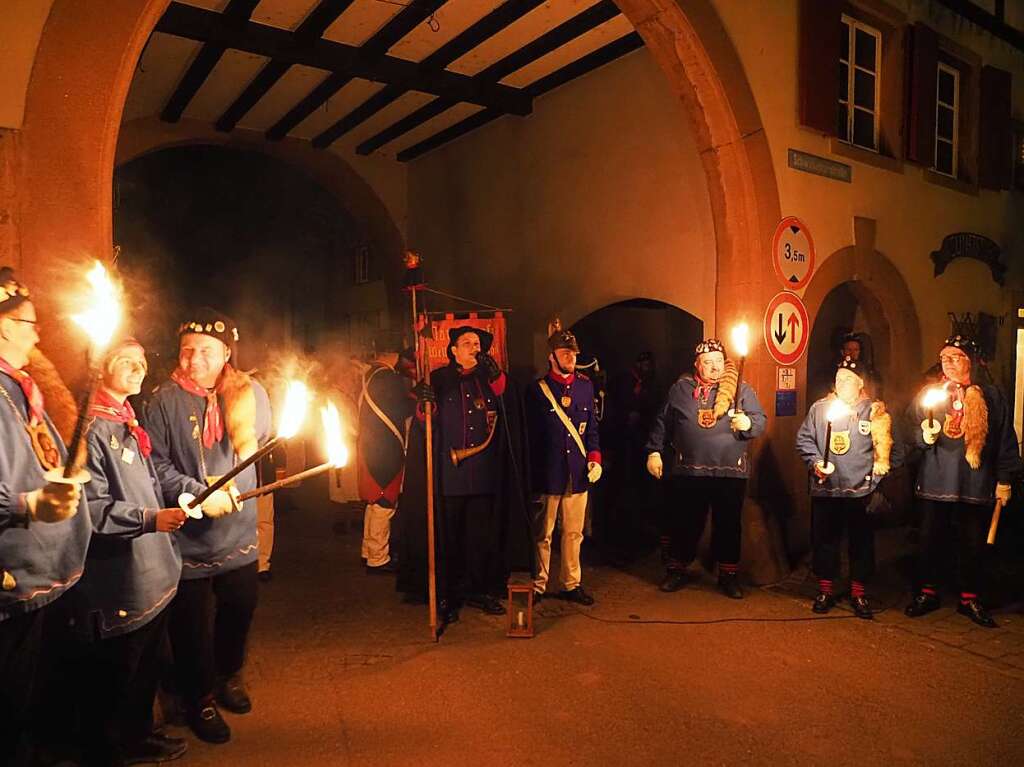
x=851 y=68
x=955 y=106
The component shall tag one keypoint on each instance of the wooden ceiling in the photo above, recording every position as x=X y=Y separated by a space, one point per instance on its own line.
x=401 y=77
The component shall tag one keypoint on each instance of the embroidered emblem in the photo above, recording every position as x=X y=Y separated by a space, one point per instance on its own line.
x=479 y=403
x=583 y=428
x=128 y=456
x=953 y=427
x=8 y=582
x=840 y=443
x=43 y=445
x=114 y=444
x=566 y=401
x=705 y=418
x=864 y=427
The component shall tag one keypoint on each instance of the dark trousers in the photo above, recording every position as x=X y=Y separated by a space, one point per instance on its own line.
x=20 y=641
x=690 y=498
x=467 y=545
x=938 y=520
x=209 y=625
x=120 y=681
x=829 y=518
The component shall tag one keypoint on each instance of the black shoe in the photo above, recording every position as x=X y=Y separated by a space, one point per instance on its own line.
x=232 y=695
x=154 y=750
x=823 y=603
x=208 y=725
x=265 y=576
x=486 y=603
x=730 y=586
x=922 y=605
x=388 y=568
x=974 y=610
x=577 y=595
x=447 y=612
x=861 y=608
x=674 y=580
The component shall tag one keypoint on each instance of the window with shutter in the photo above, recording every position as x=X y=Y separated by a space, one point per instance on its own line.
x=947 y=120
x=995 y=165
x=860 y=53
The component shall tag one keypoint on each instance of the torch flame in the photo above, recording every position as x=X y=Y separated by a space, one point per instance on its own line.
x=935 y=395
x=103 y=312
x=296 y=399
x=739 y=339
x=337 y=453
x=837 y=410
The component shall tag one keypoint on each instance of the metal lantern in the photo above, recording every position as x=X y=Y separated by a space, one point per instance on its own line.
x=520 y=610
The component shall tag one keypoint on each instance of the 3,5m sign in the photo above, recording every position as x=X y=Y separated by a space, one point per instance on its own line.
x=793 y=253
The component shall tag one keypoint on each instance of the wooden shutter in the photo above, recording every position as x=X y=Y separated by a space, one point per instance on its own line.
x=922 y=71
x=995 y=156
x=819 y=64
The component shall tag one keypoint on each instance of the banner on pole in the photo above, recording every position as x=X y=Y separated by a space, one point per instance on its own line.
x=434 y=344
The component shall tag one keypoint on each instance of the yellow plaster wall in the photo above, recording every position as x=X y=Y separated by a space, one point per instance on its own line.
x=21 y=24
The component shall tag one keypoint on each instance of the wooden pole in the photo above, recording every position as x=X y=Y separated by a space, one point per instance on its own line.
x=994 y=526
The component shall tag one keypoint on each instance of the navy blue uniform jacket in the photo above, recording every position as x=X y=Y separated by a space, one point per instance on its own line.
x=558 y=466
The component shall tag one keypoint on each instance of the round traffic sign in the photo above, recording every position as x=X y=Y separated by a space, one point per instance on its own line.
x=786 y=328
x=793 y=253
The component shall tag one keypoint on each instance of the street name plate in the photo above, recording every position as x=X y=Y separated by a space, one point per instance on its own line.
x=820 y=166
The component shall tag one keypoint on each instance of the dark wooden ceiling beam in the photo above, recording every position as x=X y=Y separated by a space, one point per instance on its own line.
x=551 y=40
x=590 y=62
x=311 y=28
x=236 y=14
x=380 y=42
x=483 y=29
x=262 y=40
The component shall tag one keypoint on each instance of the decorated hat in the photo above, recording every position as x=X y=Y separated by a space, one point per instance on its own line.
x=12 y=292
x=210 y=322
x=851 y=365
x=964 y=343
x=116 y=350
x=454 y=334
x=559 y=338
x=709 y=345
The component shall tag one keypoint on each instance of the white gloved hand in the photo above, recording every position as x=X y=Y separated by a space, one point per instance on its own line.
x=654 y=465
x=740 y=422
x=593 y=471
x=930 y=433
x=54 y=502
x=219 y=504
x=821 y=470
x=1003 y=492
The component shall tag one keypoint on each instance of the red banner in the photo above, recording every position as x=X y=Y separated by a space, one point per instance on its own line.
x=434 y=348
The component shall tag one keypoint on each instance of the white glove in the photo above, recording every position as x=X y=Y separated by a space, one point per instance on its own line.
x=1003 y=493
x=593 y=471
x=822 y=471
x=930 y=433
x=654 y=465
x=220 y=503
x=740 y=422
x=54 y=502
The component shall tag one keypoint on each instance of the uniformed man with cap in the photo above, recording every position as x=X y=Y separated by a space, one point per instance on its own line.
x=859 y=446
x=565 y=457
x=44 y=526
x=969 y=459
x=704 y=428
x=208 y=417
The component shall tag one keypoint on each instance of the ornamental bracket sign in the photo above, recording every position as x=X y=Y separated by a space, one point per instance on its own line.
x=970 y=245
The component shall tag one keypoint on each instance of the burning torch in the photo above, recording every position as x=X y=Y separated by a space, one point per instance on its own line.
x=934 y=395
x=740 y=334
x=838 y=409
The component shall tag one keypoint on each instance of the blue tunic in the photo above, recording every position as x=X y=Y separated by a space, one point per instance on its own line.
x=557 y=463
x=945 y=475
x=44 y=560
x=463 y=402
x=132 y=571
x=700 y=452
x=854 y=473
x=174 y=420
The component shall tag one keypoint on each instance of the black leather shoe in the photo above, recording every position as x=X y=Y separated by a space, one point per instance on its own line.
x=974 y=610
x=388 y=568
x=265 y=576
x=674 y=580
x=208 y=725
x=447 y=612
x=922 y=605
x=730 y=586
x=154 y=750
x=232 y=695
x=823 y=603
x=861 y=608
x=486 y=603
x=577 y=595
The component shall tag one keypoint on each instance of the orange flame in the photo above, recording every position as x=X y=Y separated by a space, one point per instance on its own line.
x=103 y=311
x=337 y=453
x=740 y=334
x=296 y=399
x=837 y=410
x=933 y=396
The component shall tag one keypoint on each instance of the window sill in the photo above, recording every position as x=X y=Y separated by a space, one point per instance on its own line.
x=864 y=156
x=950 y=183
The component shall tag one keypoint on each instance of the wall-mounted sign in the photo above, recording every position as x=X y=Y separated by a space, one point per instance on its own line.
x=786 y=328
x=820 y=166
x=970 y=245
x=785 y=379
x=793 y=253
x=785 y=403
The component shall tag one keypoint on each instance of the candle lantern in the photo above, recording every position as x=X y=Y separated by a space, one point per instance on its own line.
x=520 y=610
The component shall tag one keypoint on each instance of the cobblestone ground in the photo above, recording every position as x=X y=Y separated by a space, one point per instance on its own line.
x=342 y=673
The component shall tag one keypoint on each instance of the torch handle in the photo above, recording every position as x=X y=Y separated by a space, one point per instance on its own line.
x=236 y=470
x=307 y=474
x=828 y=450
x=71 y=465
x=993 y=528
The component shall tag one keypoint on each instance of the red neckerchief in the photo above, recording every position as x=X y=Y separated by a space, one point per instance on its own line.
x=702 y=390
x=31 y=390
x=560 y=379
x=106 y=407
x=213 y=422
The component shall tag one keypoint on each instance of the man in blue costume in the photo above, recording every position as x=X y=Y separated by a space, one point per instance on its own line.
x=207 y=418
x=44 y=527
